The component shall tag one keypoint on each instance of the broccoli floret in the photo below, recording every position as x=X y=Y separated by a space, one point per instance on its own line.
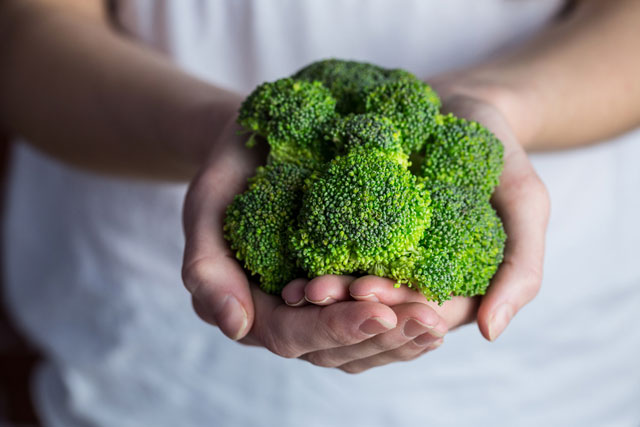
x=291 y=115
x=460 y=251
x=463 y=153
x=348 y=81
x=258 y=223
x=410 y=104
x=365 y=209
x=485 y=249
x=368 y=131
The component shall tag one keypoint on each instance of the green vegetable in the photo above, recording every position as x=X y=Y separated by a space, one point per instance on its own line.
x=348 y=81
x=461 y=250
x=363 y=210
x=291 y=115
x=258 y=223
x=463 y=153
x=339 y=194
x=410 y=104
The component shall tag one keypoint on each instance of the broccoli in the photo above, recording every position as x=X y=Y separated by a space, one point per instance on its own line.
x=291 y=115
x=258 y=223
x=364 y=209
x=348 y=81
x=339 y=193
x=463 y=153
x=400 y=94
x=461 y=250
x=369 y=131
x=410 y=104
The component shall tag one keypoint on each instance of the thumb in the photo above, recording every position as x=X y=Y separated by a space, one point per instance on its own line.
x=218 y=285
x=523 y=203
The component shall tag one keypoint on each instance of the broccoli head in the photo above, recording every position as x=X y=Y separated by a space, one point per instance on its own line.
x=364 y=209
x=484 y=251
x=259 y=221
x=460 y=251
x=348 y=81
x=291 y=115
x=463 y=153
x=339 y=193
x=410 y=104
x=368 y=131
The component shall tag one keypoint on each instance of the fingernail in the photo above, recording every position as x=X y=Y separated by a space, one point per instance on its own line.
x=423 y=339
x=413 y=328
x=499 y=321
x=232 y=318
x=369 y=297
x=436 y=333
x=325 y=301
x=375 y=325
x=436 y=344
x=295 y=303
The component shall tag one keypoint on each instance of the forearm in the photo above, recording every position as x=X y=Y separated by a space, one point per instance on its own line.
x=577 y=82
x=83 y=93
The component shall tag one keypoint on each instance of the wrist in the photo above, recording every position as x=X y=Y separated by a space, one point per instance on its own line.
x=206 y=125
x=517 y=103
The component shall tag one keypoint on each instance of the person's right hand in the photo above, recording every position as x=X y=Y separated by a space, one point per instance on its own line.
x=334 y=336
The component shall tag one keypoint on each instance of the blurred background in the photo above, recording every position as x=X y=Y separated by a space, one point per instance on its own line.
x=17 y=357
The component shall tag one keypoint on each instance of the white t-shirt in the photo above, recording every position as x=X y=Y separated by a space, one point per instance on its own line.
x=93 y=263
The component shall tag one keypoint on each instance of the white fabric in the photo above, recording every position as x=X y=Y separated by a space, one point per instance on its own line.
x=93 y=263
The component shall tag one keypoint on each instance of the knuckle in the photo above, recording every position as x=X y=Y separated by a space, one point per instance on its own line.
x=351 y=368
x=337 y=333
x=543 y=197
x=537 y=191
x=408 y=352
x=414 y=348
x=202 y=312
x=530 y=279
x=280 y=346
x=530 y=292
x=381 y=343
x=195 y=274
x=319 y=359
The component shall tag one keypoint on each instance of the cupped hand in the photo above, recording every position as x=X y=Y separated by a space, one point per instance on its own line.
x=349 y=335
x=522 y=202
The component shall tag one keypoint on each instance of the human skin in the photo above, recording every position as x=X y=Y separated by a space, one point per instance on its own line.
x=154 y=121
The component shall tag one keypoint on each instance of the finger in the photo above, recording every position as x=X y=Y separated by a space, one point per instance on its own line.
x=325 y=290
x=407 y=352
x=455 y=312
x=210 y=272
x=414 y=319
x=293 y=293
x=523 y=205
x=379 y=289
x=293 y=331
